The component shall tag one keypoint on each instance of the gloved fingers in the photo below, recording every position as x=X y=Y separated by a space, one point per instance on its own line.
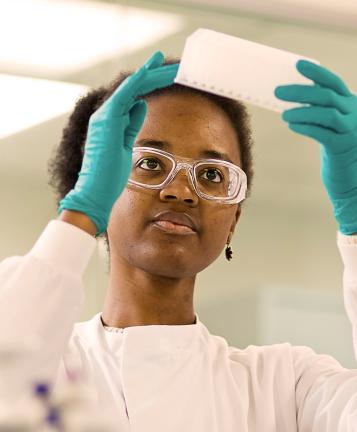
x=155 y=60
x=137 y=117
x=158 y=78
x=337 y=144
x=320 y=134
x=128 y=90
x=322 y=76
x=144 y=80
x=122 y=98
x=314 y=95
x=124 y=95
x=322 y=116
x=134 y=80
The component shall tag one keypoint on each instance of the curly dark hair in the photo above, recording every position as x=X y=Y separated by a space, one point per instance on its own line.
x=66 y=161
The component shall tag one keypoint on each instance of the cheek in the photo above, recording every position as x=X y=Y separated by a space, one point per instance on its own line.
x=219 y=226
x=130 y=211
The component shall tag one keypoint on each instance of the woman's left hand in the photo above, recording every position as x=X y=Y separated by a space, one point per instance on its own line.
x=331 y=119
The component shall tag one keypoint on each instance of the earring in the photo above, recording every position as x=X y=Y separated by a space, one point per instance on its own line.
x=229 y=252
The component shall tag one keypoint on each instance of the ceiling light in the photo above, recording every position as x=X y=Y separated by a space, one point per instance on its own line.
x=44 y=37
x=26 y=102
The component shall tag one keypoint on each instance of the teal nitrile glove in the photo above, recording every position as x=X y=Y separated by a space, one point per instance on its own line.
x=331 y=119
x=112 y=130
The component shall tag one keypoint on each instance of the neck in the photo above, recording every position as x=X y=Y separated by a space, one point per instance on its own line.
x=138 y=298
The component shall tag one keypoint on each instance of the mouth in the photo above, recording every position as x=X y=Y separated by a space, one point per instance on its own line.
x=173 y=228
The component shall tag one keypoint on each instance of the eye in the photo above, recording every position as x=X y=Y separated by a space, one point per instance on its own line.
x=213 y=170
x=151 y=163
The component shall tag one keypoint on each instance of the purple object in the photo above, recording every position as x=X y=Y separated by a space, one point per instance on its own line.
x=53 y=415
x=42 y=390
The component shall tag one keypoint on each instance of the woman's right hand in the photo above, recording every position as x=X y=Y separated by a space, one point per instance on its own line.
x=112 y=129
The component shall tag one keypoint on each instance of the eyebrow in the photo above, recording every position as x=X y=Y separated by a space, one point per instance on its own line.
x=209 y=153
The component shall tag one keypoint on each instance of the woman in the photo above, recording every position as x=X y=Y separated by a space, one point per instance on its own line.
x=147 y=355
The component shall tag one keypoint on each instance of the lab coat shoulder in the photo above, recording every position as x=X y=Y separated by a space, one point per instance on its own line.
x=268 y=367
x=296 y=379
x=44 y=288
x=267 y=376
x=326 y=392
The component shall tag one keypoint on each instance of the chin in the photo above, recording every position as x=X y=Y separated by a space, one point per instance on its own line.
x=166 y=266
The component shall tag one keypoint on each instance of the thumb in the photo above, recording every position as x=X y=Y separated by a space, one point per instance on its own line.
x=137 y=116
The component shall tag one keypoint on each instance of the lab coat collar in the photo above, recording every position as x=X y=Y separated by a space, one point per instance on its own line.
x=149 y=338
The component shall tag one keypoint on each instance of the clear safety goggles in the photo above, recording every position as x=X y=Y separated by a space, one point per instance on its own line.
x=212 y=179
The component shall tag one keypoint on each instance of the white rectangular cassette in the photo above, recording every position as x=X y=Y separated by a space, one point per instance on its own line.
x=238 y=69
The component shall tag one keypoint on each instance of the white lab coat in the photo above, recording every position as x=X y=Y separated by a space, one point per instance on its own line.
x=177 y=378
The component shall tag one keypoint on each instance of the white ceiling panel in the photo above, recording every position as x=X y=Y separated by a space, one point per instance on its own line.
x=341 y=13
x=54 y=38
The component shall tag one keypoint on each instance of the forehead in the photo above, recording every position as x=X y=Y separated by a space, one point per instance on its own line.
x=191 y=124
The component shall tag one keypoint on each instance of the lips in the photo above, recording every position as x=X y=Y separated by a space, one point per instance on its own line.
x=177 y=218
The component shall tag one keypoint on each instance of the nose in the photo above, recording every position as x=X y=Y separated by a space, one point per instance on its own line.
x=180 y=188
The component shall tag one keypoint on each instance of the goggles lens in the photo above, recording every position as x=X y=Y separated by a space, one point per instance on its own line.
x=214 y=179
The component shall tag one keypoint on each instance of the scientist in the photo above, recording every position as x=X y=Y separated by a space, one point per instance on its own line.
x=147 y=355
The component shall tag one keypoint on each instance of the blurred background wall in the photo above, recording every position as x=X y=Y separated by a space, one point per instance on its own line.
x=285 y=280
